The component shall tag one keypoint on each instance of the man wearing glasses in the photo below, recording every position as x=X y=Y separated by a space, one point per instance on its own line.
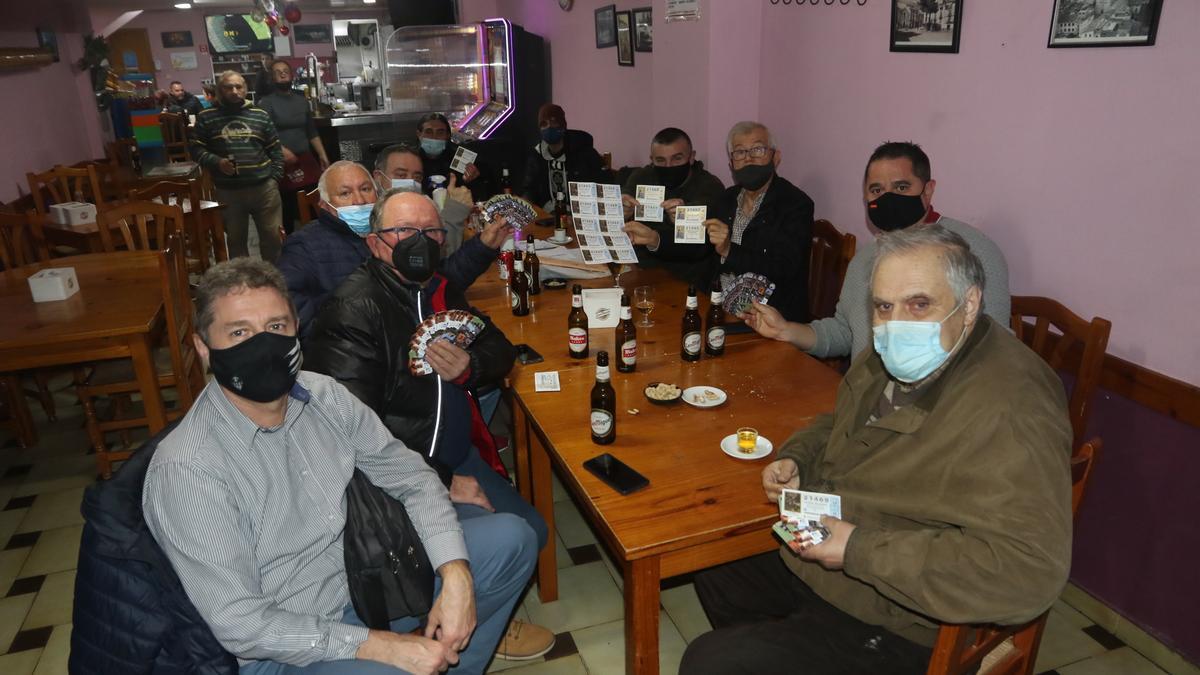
x=762 y=224
x=361 y=336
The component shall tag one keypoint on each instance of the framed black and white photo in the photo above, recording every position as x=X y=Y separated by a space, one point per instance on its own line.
x=643 y=30
x=1111 y=23
x=625 y=38
x=175 y=39
x=926 y=25
x=606 y=27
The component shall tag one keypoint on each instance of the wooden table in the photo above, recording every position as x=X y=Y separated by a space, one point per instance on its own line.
x=117 y=313
x=702 y=507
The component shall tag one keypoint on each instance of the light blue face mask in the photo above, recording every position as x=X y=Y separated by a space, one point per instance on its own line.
x=912 y=350
x=406 y=184
x=433 y=146
x=357 y=218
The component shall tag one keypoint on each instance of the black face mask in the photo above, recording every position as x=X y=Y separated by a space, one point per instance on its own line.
x=416 y=257
x=671 y=177
x=890 y=211
x=262 y=368
x=753 y=176
x=284 y=86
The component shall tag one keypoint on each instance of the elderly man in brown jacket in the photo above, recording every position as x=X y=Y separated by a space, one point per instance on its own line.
x=949 y=447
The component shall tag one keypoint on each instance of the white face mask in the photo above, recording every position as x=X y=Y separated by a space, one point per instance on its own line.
x=406 y=184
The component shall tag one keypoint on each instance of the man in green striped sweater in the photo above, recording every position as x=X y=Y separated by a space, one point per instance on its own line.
x=238 y=145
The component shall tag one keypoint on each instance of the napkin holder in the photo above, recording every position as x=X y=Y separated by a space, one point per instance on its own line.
x=73 y=213
x=55 y=283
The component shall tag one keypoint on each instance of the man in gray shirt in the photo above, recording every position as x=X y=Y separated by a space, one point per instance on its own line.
x=304 y=155
x=898 y=193
x=247 y=499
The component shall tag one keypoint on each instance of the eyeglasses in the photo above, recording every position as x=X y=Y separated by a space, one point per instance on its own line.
x=435 y=233
x=757 y=152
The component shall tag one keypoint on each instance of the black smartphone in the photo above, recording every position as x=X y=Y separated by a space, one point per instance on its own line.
x=616 y=473
x=527 y=355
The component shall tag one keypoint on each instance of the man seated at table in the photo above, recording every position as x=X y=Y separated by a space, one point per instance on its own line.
x=761 y=224
x=400 y=167
x=361 y=337
x=949 y=447
x=898 y=193
x=437 y=152
x=561 y=156
x=181 y=101
x=245 y=497
x=317 y=258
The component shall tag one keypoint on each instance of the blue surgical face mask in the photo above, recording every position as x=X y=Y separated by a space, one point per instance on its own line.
x=912 y=350
x=357 y=218
x=553 y=135
x=406 y=184
x=433 y=146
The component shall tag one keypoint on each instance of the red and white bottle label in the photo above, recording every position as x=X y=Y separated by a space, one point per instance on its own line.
x=578 y=339
x=691 y=343
x=716 y=338
x=629 y=352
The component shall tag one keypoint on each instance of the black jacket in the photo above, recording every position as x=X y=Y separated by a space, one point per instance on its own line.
x=776 y=244
x=132 y=616
x=190 y=105
x=481 y=187
x=360 y=337
x=584 y=164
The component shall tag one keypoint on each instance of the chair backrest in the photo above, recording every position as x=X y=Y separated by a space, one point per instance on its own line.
x=120 y=151
x=831 y=255
x=174 y=134
x=306 y=205
x=65 y=184
x=1055 y=347
x=1005 y=650
x=144 y=225
x=22 y=241
x=177 y=299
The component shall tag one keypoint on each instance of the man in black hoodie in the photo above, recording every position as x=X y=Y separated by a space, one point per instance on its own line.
x=181 y=101
x=561 y=156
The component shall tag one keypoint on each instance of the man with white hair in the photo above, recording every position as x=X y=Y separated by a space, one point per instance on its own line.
x=316 y=259
x=236 y=142
x=762 y=224
x=949 y=449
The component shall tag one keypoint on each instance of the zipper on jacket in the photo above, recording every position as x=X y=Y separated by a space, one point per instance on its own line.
x=437 y=420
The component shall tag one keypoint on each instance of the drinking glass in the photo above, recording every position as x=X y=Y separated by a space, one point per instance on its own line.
x=643 y=300
x=747 y=440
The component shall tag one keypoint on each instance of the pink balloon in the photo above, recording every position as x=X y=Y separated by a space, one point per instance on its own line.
x=292 y=12
x=284 y=30
x=271 y=20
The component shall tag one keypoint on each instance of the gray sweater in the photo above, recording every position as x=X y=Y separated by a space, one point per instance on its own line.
x=848 y=331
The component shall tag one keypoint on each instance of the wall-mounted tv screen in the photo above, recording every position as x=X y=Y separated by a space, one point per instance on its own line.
x=237 y=33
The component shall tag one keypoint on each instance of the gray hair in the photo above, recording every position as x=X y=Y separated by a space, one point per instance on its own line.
x=381 y=159
x=745 y=127
x=225 y=75
x=322 y=187
x=963 y=268
x=377 y=212
x=232 y=276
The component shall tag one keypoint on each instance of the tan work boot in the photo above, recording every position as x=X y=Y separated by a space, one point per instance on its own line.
x=524 y=641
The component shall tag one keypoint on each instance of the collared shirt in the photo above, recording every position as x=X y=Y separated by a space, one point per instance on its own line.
x=741 y=221
x=252 y=518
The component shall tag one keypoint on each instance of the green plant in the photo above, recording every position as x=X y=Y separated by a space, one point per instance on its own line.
x=95 y=52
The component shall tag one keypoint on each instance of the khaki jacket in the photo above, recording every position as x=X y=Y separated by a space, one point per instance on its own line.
x=962 y=500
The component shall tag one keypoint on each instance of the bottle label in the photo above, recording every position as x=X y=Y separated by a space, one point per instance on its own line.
x=602 y=422
x=578 y=338
x=717 y=297
x=577 y=301
x=692 y=303
x=516 y=300
x=518 y=265
x=602 y=373
x=629 y=352
x=716 y=338
x=691 y=343
x=626 y=312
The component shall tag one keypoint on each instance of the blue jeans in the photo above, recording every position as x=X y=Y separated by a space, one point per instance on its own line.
x=503 y=496
x=501 y=547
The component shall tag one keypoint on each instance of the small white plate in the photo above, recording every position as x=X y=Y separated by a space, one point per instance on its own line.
x=730 y=447
x=560 y=242
x=691 y=392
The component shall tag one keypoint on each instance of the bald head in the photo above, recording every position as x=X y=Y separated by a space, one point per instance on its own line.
x=400 y=208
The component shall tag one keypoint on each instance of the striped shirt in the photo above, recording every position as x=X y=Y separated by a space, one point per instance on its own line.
x=247 y=135
x=252 y=518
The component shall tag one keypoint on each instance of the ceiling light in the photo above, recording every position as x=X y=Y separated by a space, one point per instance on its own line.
x=368 y=2
x=183 y=5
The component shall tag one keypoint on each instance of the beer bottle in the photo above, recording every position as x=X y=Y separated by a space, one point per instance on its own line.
x=505 y=182
x=577 y=326
x=533 y=266
x=714 y=334
x=519 y=287
x=562 y=212
x=626 y=343
x=691 y=328
x=604 y=404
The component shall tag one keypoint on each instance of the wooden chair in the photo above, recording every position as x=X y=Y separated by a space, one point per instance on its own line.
x=1005 y=650
x=1058 y=348
x=144 y=225
x=66 y=184
x=120 y=151
x=205 y=235
x=306 y=206
x=831 y=255
x=22 y=242
x=174 y=135
x=176 y=361
x=14 y=414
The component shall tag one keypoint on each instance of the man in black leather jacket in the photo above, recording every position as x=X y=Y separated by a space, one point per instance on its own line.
x=560 y=156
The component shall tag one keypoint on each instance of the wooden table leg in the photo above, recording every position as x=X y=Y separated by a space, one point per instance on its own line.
x=520 y=448
x=641 y=616
x=543 y=501
x=147 y=378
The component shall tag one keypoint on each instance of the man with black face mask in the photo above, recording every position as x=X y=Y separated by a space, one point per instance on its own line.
x=361 y=336
x=762 y=224
x=560 y=156
x=898 y=194
x=304 y=155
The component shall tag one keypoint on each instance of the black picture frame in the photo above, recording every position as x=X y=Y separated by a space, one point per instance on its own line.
x=625 y=38
x=1134 y=26
x=48 y=41
x=926 y=26
x=606 y=27
x=312 y=33
x=643 y=29
x=176 y=39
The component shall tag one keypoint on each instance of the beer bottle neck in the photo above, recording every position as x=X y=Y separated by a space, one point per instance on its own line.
x=692 y=303
x=602 y=373
x=577 y=301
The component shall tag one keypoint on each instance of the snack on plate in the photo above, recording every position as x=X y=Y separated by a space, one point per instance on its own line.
x=663 y=392
x=710 y=395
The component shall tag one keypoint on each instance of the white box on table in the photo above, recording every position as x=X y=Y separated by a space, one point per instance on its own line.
x=55 y=283
x=73 y=213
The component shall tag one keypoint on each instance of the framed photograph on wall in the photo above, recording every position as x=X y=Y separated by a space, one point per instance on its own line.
x=606 y=27
x=49 y=41
x=926 y=25
x=175 y=39
x=625 y=38
x=643 y=30
x=1130 y=23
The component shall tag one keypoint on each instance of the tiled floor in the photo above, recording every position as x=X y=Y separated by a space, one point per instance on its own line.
x=40 y=526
